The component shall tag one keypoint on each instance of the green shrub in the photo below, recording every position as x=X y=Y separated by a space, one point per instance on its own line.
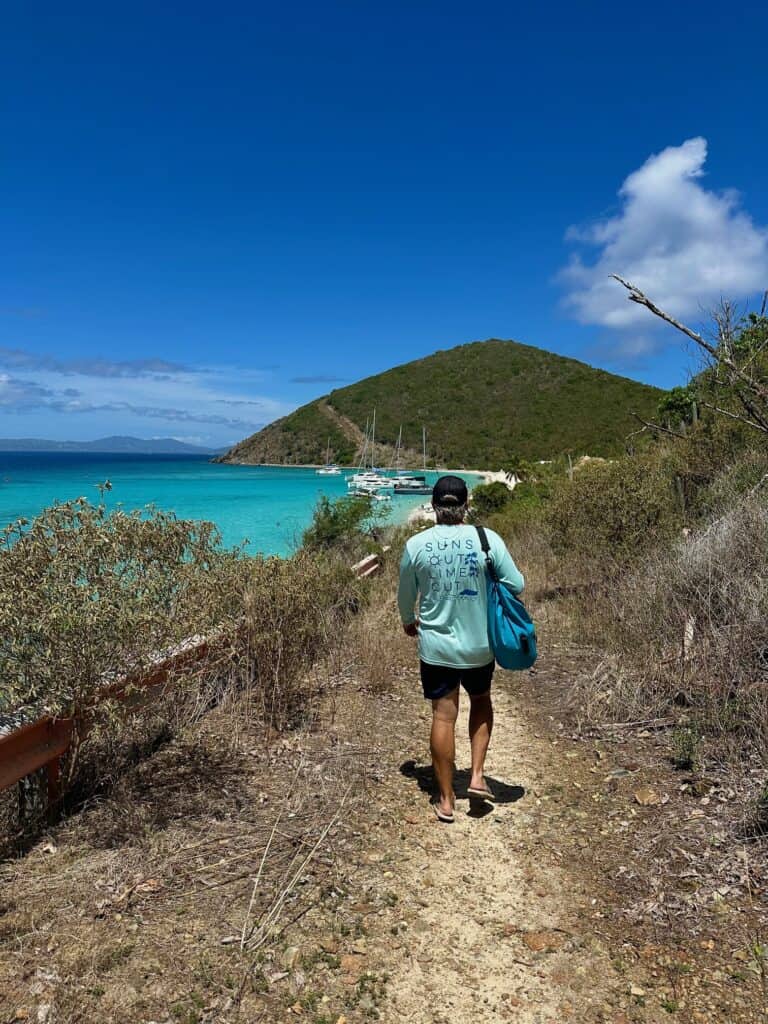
x=340 y=524
x=611 y=513
x=715 y=476
x=522 y=514
x=86 y=596
x=489 y=498
x=686 y=747
x=293 y=611
x=89 y=599
x=679 y=406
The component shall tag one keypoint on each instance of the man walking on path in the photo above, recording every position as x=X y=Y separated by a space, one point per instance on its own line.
x=444 y=567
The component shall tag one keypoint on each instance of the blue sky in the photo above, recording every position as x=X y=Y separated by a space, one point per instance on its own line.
x=213 y=213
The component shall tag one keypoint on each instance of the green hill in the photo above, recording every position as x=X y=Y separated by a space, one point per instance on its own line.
x=482 y=404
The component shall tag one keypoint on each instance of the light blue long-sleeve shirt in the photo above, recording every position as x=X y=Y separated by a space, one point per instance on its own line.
x=444 y=568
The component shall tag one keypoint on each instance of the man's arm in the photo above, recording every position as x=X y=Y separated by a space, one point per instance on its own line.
x=407 y=593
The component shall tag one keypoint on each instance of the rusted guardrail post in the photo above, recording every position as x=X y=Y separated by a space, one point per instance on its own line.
x=367 y=566
x=35 y=747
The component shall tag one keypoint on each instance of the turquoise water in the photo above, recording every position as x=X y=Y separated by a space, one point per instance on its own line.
x=267 y=507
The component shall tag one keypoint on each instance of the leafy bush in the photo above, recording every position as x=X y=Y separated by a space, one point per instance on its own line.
x=679 y=406
x=489 y=498
x=89 y=597
x=612 y=513
x=339 y=525
x=293 y=611
x=723 y=488
x=86 y=596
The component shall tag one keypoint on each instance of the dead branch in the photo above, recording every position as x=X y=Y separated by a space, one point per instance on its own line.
x=260 y=933
x=735 y=416
x=752 y=410
x=628 y=439
x=720 y=356
x=258 y=879
x=654 y=426
x=645 y=723
x=635 y=295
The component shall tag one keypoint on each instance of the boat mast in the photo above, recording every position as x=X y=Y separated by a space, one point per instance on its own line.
x=424 y=445
x=364 y=449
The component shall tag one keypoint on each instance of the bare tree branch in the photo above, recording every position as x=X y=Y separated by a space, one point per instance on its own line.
x=721 y=356
x=753 y=411
x=735 y=416
x=635 y=295
x=757 y=352
x=654 y=426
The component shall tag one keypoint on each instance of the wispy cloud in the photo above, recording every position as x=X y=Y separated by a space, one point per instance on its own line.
x=170 y=415
x=126 y=395
x=681 y=243
x=318 y=379
x=241 y=401
x=24 y=396
x=21 y=359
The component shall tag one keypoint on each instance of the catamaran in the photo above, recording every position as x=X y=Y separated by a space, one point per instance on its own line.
x=412 y=483
x=369 y=492
x=371 y=480
x=330 y=468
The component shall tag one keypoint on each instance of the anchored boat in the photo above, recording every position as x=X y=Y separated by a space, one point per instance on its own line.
x=330 y=468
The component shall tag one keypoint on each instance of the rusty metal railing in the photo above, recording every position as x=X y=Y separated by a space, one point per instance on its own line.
x=30 y=743
x=41 y=742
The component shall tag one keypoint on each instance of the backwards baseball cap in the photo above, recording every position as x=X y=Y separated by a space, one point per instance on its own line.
x=449 y=492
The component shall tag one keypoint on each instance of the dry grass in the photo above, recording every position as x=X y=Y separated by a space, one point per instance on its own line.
x=292 y=614
x=167 y=897
x=689 y=636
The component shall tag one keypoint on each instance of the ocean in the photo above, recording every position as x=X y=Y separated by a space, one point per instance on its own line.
x=265 y=507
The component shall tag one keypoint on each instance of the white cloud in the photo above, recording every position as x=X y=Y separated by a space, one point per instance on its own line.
x=684 y=245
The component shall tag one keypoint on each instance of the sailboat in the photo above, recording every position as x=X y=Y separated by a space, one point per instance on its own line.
x=368 y=480
x=330 y=468
x=413 y=483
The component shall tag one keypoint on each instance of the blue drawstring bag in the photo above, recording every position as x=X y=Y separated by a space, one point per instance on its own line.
x=511 y=632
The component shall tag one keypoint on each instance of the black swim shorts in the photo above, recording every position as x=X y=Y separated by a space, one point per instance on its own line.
x=439 y=680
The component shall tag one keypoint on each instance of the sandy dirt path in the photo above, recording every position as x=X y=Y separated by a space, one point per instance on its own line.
x=486 y=924
x=129 y=911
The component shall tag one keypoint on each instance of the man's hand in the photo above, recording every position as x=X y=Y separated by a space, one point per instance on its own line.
x=412 y=629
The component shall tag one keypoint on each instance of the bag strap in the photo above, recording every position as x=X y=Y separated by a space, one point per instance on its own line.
x=487 y=552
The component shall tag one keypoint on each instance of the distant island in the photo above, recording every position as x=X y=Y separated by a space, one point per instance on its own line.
x=107 y=445
x=483 y=405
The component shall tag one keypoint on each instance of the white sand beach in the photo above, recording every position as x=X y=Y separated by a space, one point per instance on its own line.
x=424 y=513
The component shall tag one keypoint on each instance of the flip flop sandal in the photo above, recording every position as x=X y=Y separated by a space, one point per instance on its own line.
x=481 y=794
x=447 y=819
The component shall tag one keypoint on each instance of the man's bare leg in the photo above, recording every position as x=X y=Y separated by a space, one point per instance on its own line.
x=445 y=711
x=480 y=729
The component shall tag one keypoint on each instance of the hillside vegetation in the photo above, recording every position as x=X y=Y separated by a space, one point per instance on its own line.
x=483 y=404
x=661 y=555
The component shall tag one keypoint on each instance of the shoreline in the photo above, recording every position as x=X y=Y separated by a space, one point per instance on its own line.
x=422 y=514
x=414 y=515
x=488 y=475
